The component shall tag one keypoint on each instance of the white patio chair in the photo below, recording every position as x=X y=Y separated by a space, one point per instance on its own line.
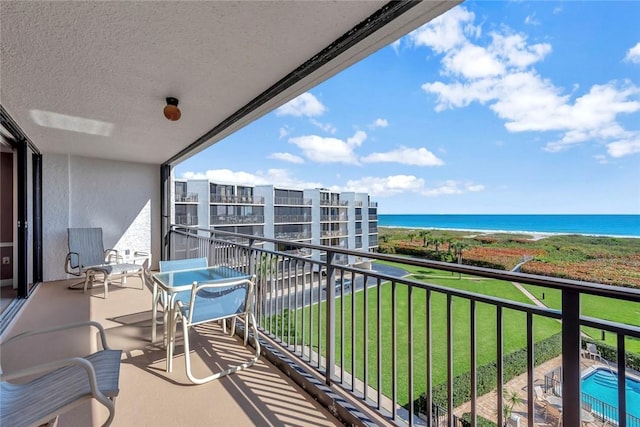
x=592 y=352
x=211 y=302
x=61 y=384
x=88 y=257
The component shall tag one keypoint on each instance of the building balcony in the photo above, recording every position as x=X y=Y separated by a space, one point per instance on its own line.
x=289 y=219
x=334 y=218
x=236 y=200
x=333 y=233
x=236 y=219
x=293 y=236
x=373 y=217
x=186 y=220
x=292 y=201
x=392 y=345
x=186 y=198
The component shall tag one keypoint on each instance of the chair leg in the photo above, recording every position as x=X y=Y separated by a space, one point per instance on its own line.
x=251 y=320
x=88 y=278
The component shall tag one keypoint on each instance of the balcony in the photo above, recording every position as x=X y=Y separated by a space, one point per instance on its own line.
x=289 y=219
x=293 y=235
x=236 y=219
x=334 y=218
x=186 y=198
x=236 y=200
x=186 y=220
x=370 y=327
x=292 y=201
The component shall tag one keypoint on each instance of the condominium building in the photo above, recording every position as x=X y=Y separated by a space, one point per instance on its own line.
x=317 y=216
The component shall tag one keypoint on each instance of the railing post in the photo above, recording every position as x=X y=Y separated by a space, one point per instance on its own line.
x=330 y=320
x=571 y=358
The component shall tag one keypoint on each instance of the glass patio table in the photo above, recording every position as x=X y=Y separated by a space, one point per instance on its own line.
x=174 y=282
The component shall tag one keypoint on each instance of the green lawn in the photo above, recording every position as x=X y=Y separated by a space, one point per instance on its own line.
x=514 y=336
x=602 y=308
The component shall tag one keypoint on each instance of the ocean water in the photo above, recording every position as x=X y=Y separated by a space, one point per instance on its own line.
x=596 y=225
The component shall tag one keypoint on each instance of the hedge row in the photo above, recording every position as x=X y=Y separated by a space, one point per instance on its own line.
x=480 y=421
x=514 y=364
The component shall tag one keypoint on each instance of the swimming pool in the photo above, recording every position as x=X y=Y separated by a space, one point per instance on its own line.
x=602 y=385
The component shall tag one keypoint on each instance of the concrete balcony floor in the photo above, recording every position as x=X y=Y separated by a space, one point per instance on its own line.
x=261 y=395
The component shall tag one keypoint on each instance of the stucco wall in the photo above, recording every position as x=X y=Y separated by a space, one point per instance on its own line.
x=120 y=197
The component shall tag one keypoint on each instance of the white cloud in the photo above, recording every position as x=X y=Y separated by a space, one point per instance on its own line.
x=357 y=139
x=280 y=177
x=405 y=155
x=284 y=131
x=398 y=184
x=624 y=147
x=386 y=186
x=500 y=75
x=531 y=20
x=287 y=157
x=329 y=150
x=452 y=187
x=327 y=127
x=304 y=105
x=379 y=123
x=447 y=31
x=633 y=54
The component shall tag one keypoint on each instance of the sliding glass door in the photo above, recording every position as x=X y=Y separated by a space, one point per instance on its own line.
x=21 y=197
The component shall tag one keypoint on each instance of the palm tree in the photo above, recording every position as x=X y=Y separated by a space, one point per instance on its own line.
x=425 y=237
x=449 y=242
x=437 y=242
x=411 y=236
x=458 y=247
x=511 y=399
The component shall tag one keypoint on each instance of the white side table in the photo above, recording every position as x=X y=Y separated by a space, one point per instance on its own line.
x=133 y=257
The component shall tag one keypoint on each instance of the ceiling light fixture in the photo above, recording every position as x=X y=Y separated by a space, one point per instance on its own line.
x=171 y=111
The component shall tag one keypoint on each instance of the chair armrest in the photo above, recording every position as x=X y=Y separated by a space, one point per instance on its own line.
x=56 y=364
x=111 y=253
x=103 y=336
x=68 y=266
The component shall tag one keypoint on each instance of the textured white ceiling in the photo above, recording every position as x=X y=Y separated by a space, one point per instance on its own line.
x=113 y=63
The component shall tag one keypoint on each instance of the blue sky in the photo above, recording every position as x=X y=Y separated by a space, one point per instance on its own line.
x=494 y=107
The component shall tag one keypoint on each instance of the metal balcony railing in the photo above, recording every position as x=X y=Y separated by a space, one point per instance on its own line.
x=291 y=218
x=236 y=219
x=336 y=218
x=186 y=220
x=292 y=201
x=381 y=337
x=186 y=198
x=373 y=217
x=236 y=200
x=293 y=235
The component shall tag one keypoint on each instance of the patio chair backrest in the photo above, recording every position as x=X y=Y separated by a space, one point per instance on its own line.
x=87 y=243
x=591 y=348
x=183 y=264
x=212 y=301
